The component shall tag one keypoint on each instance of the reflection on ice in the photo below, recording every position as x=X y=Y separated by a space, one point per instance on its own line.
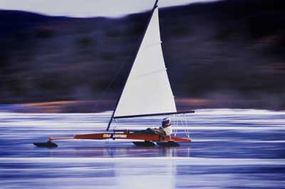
x=129 y=172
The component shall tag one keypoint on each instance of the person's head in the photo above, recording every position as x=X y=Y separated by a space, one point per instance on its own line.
x=166 y=122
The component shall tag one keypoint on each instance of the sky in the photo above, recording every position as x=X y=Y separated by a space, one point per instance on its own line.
x=89 y=8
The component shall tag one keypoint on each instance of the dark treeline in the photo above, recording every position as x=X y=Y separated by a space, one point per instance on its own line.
x=230 y=51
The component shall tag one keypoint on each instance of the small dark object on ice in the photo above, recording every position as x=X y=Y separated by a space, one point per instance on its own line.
x=48 y=144
x=168 y=144
x=144 y=144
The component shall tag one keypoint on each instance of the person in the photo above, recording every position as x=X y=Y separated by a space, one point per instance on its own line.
x=166 y=126
x=164 y=130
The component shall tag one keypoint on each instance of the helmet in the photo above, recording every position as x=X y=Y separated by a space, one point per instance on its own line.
x=166 y=122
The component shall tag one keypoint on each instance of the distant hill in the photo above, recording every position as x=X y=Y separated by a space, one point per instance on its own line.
x=231 y=52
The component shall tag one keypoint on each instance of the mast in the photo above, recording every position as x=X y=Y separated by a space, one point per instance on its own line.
x=113 y=113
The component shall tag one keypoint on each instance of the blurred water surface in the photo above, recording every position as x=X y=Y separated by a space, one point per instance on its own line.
x=231 y=149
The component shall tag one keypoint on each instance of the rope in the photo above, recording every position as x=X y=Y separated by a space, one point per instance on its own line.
x=104 y=92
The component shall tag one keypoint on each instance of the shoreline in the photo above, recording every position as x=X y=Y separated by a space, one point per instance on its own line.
x=94 y=106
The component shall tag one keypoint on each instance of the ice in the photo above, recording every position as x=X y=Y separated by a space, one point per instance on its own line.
x=231 y=148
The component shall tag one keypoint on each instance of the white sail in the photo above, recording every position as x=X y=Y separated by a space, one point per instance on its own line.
x=147 y=90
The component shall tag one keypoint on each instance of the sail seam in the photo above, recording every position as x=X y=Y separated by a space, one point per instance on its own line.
x=150 y=73
x=152 y=45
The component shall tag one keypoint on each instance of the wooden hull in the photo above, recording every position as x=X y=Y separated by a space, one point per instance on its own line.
x=131 y=135
x=139 y=138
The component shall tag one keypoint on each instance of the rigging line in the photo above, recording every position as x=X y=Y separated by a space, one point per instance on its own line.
x=176 y=123
x=116 y=76
x=170 y=73
x=184 y=124
x=118 y=100
x=187 y=131
x=118 y=72
x=103 y=94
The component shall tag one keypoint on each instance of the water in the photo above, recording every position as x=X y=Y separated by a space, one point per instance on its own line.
x=230 y=149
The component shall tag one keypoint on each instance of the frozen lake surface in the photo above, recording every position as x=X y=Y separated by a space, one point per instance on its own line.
x=230 y=149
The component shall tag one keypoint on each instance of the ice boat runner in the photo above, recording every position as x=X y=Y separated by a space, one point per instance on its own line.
x=147 y=92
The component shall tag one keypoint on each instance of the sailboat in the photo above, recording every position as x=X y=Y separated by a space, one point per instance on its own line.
x=147 y=92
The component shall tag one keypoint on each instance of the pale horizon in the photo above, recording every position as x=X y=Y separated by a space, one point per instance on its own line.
x=90 y=8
